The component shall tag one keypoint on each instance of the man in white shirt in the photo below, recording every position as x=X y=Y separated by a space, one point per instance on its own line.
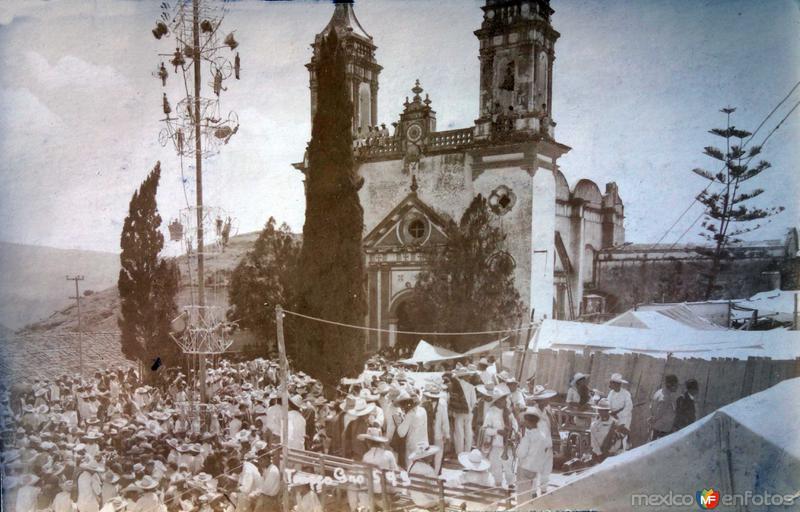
x=414 y=427
x=532 y=456
x=441 y=423
x=498 y=424
x=619 y=399
x=249 y=483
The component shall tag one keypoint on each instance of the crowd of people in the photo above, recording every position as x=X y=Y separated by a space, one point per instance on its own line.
x=109 y=442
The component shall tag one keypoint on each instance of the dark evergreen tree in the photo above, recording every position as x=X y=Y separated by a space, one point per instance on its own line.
x=261 y=280
x=470 y=284
x=147 y=284
x=331 y=269
x=728 y=212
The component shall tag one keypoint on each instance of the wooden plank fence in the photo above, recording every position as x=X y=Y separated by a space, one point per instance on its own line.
x=721 y=381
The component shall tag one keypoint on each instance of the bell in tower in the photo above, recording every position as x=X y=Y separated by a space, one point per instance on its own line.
x=516 y=54
x=362 y=68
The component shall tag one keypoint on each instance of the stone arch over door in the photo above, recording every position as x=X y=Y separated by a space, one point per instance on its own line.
x=400 y=321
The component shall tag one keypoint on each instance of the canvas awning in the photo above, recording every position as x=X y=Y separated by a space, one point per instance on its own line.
x=733 y=450
x=427 y=353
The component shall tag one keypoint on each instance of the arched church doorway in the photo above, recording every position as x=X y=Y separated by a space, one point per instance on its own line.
x=400 y=319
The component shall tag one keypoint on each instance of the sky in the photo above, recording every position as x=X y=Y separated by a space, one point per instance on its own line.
x=637 y=86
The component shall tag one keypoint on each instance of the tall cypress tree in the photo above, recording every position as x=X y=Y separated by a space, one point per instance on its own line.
x=331 y=269
x=147 y=284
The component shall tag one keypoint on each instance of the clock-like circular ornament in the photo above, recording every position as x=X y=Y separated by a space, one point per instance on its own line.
x=414 y=133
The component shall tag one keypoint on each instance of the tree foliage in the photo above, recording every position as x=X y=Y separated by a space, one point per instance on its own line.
x=147 y=284
x=262 y=280
x=331 y=269
x=728 y=213
x=470 y=284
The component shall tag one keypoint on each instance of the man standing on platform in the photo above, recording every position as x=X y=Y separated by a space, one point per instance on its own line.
x=619 y=399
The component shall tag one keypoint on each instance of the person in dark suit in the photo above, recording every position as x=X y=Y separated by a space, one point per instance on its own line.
x=685 y=409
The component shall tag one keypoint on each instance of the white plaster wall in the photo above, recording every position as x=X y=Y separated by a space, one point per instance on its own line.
x=516 y=222
x=543 y=225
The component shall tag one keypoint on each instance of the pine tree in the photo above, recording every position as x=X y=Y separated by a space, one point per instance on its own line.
x=727 y=210
x=263 y=279
x=331 y=269
x=147 y=284
x=470 y=284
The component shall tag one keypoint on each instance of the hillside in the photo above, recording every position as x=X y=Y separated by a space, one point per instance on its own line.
x=51 y=344
x=33 y=284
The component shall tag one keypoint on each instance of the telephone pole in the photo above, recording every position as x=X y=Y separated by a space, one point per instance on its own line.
x=77 y=298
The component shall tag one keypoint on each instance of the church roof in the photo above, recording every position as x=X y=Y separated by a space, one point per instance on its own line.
x=345 y=22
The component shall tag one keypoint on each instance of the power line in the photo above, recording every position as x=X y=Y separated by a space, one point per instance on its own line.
x=746 y=163
x=721 y=168
x=375 y=329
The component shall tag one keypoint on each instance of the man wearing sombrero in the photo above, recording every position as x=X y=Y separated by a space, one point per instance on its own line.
x=532 y=455
x=499 y=426
x=619 y=399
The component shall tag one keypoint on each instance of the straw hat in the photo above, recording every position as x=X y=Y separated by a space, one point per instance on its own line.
x=617 y=377
x=373 y=434
x=578 y=376
x=473 y=460
x=367 y=395
x=404 y=396
x=361 y=408
x=433 y=390
x=540 y=393
x=147 y=483
x=423 y=450
x=532 y=411
x=506 y=377
x=602 y=405
x=498 y=393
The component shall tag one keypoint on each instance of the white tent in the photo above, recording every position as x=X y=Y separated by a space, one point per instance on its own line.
x=427 y=353
x=749 y=446
x=683 y=343
x=778 y=304
x=673 y=317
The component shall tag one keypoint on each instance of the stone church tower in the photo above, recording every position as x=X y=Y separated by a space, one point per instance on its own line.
x=418 y=179
x=362 y=68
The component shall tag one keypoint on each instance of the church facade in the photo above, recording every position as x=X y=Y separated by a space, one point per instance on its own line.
x=418 y=178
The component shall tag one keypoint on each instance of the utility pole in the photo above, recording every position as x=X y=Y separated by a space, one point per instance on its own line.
x=77 y=298
x=284 y=403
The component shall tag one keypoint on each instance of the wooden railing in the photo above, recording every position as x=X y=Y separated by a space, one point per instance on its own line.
x=386 y=488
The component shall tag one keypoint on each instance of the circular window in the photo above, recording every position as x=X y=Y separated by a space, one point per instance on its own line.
x=416 y=229
x=502 y=262
x=502 y=200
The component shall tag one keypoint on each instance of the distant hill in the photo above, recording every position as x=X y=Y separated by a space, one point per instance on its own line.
x=49 y=346
x=33 y=279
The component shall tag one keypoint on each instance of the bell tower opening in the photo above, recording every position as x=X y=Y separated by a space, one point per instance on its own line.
x=516 y=54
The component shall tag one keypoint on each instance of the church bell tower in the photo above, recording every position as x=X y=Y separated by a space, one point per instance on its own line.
x=516 y=57
x=362 y=68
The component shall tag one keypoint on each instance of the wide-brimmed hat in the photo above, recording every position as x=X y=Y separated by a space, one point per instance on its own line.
x=617 y=377
x=423 y=450
x=602 y=405
x=433 y=390
x=159 y=415
x=297 y=400
x=404 y=396
x=367 y=395
x=361 y=408
x=373 y=434
x=578 y=376
x=473 y=460
x=485 y=389
x=117 y=503
x=383 y=387
x=93 y=434
x=532 y=411
x=118 y=422
x=461 y=370
x=483 y=361
x=498 y=393
x=506 y=377
x=147 y=483
x=541 y=393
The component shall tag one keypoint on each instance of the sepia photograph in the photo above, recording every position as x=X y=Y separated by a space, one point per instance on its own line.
x=399 y=255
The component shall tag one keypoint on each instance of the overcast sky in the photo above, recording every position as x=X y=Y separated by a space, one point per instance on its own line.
x=636 y=87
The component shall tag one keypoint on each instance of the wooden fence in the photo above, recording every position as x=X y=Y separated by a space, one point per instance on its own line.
x=721 y=381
